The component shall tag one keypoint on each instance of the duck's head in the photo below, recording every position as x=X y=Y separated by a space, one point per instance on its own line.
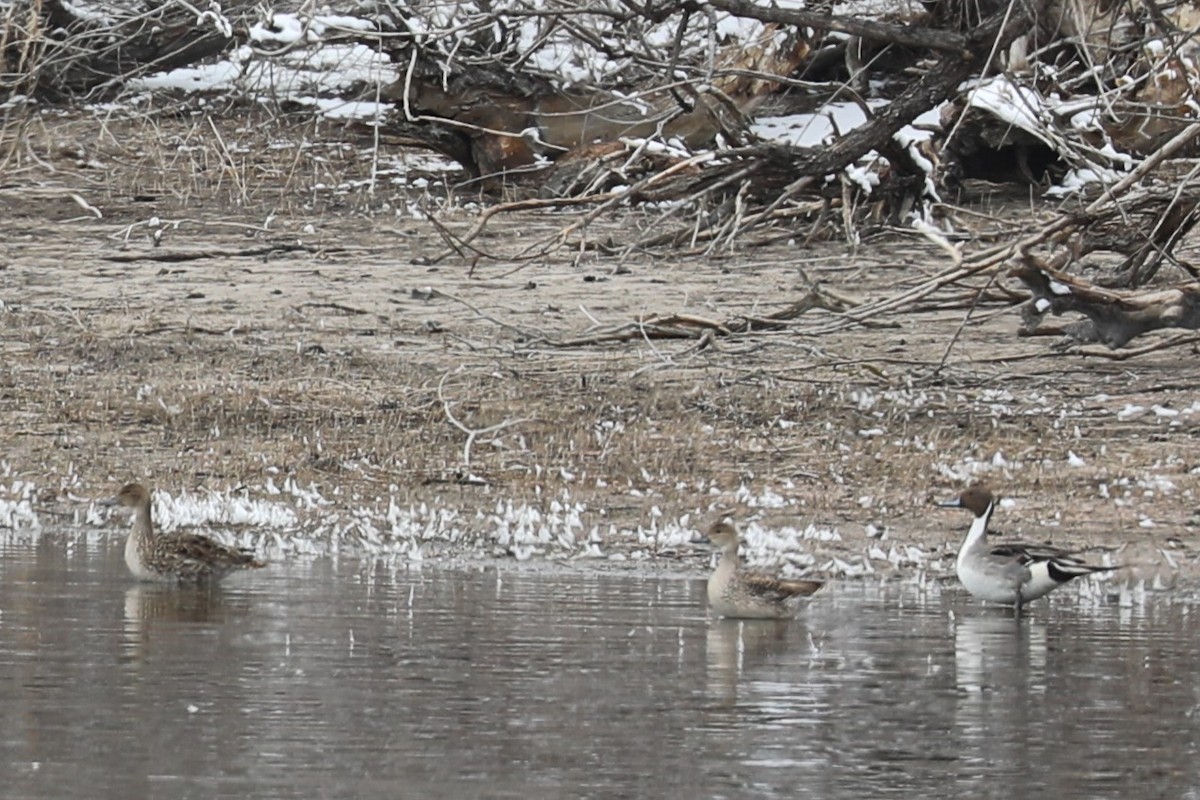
x=723 y=534
x=131 y=494
x=977 y=498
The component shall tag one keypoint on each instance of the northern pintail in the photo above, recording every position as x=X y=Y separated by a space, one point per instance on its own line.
x=179 y=557
x=1010 y=573
x=740 y=593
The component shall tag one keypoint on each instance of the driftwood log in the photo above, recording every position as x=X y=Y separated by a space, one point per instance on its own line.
x=500 y=121
x=1113 y=317
x=75 y=50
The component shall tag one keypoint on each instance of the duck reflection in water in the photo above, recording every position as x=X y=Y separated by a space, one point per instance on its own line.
x=991 y=648
x=157 y=611
x=734 y=646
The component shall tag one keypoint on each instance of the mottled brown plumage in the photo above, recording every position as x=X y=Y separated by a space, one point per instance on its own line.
x=741 y=593
x=183 y=557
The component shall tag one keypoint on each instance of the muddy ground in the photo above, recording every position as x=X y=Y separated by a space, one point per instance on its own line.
x=290 y=323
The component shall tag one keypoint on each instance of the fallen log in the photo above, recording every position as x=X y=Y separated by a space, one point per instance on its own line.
x=92 y=50
x=509 y=121
x=1113 y=317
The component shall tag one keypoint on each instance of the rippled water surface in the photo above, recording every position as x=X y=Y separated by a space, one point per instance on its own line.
x=332 y=679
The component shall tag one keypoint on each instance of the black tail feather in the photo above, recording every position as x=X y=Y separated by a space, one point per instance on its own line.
x=1063 y=571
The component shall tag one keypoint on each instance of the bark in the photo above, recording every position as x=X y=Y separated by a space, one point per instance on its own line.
x=770 y=168
x=510 y=120
x=93 y=54
x=1114 y=318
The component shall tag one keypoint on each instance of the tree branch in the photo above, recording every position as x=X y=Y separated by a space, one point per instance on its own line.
x=908 y=35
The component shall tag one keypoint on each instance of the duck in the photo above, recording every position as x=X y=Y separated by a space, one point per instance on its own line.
x=1010 y=573
x=738 y=593
x=174 y=557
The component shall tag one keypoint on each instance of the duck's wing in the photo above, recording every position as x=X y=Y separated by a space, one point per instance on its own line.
x=205 y=554
x=1027 y=553
x=1062 y=562
x=770 y=587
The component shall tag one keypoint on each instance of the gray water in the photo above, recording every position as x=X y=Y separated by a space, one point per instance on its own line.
x=340 y=679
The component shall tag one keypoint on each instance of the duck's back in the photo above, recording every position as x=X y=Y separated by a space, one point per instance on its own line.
x=187 y=557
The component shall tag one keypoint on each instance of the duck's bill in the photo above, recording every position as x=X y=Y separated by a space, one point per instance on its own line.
x=955 y=503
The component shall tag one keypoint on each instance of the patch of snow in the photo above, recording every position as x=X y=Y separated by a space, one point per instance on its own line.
x=1018 y=105
x=206 y=78
x=1079 y=179
x=18 y=513
x=1130 y=411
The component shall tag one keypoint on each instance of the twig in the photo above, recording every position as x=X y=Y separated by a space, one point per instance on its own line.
x=1124 y=355
x=175 y=257
x=472 y=433
x=337 y=307
x=963 y=324
x=531 y=337
x=85 y=205
x=227 y=155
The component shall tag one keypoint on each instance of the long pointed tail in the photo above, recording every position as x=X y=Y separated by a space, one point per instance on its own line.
x=1063 y=571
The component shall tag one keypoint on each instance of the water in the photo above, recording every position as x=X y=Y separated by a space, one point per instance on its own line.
x=348 y=679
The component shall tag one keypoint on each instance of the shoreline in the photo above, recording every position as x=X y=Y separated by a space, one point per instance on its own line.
x=400 y=390
x=278 y=532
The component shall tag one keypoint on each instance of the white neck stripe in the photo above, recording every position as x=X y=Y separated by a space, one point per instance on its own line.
x=979 y=526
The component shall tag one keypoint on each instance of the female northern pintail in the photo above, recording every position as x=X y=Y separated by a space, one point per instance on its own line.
x=740 y=593
x=177 y=556
x=1013 y=573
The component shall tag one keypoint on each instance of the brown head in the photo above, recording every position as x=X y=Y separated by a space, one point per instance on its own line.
x=132 y=495
x=976 y=499
x=723 y=535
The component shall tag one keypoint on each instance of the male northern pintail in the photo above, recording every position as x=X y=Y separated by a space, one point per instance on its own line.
x=741 y=593
x=1012 y=573
x=178 y=556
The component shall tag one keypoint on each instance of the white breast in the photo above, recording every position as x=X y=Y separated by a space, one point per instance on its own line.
x=134 y=562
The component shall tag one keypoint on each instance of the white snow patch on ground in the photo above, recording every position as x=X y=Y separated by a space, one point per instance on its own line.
x=16 y=500
x=818 y=128
x=302 y=76
x=335 y=108
x=291 y=28
x=1078 y=179
x=1019 y=106
x=219 y=509
x=783 y=547
x=16 y=510
x=1024 y=107
x=207 y=78
x=1130 y=411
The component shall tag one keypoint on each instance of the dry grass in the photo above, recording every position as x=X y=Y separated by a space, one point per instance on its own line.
x=195 y=363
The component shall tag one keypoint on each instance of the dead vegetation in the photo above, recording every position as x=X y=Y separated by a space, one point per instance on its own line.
x=218 y=297
x=613 y=104
x=856 y=388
